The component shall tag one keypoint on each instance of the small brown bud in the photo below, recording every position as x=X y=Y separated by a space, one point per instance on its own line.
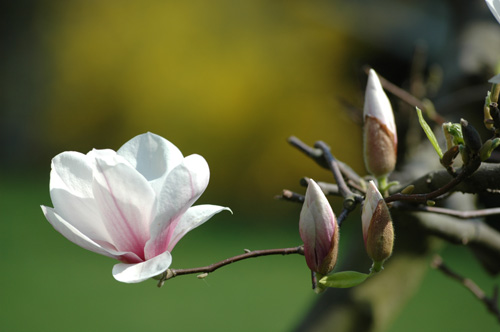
x=378 y=231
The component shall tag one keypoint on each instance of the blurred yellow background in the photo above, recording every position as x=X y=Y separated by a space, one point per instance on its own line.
x=230 y=80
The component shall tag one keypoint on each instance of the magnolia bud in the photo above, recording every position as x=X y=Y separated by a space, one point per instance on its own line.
x=378 y=232
x=488 y=120
x=488 y=147
x=471 y=136
x=380 y=138
x=318 y=230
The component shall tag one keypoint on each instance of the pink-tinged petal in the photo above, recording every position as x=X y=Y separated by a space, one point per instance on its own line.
x=183 y=186
x=494 y=6
x=132 y=273
x=377 y=105
x=152 y=156
x=373 y=196
x=125 y=200
x=71 y=193
x=194 y=217
x=316 y=226
x=307 y=232
x=74 y=235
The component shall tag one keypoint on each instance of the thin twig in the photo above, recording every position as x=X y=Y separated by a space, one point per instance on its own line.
x=314 y=154
x=171 y=273
x=314 y=280
x=422 y=198
x=459 y=214
x=317 y=155
x=350 y=199
x=334 y=168
x=327 y=188
x=491 y=303
x=291 y=196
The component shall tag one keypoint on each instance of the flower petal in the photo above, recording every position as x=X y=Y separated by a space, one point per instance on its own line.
x=71 y=180
x=317 y=225
x=494 y=6
x=74 y=235
x=377 y=105
x=125 y=200
x=373 y=196
x=183 y=186
x=133 y=273
x=495 y=79
x=194 y=217
x=152 y=156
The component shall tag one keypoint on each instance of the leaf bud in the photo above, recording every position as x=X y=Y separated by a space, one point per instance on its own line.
x=471 y=136
x=488 y=120
x=488 y=147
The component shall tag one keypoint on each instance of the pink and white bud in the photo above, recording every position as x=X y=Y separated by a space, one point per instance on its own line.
x=494 y=6
x=378 y=232
x=318 y=230
x=380 y=139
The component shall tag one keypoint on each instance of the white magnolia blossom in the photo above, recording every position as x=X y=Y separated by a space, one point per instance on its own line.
x=133 y=205
x=494 y=6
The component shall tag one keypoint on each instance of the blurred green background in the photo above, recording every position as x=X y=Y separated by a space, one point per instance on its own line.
x=230 y=80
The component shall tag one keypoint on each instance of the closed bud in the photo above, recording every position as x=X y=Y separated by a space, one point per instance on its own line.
x=378 y=232
x=453 y=134
x=488 y=147
x=488 y=120
x=318 y=230
x=380 y=138
x=495 y=114
x=471 y=136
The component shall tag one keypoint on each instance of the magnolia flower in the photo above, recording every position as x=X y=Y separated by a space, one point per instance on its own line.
x=494 y=6
x=378 y=232
x=133 y=205
x=318 y=230
x=380 y=138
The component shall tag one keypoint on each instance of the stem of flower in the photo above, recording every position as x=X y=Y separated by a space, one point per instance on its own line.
x=376 y=267
x=171 y=273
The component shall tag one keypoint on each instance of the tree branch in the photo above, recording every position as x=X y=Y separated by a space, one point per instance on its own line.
x=316 y=154
x=351 y=199
x=491 y=303
x=422 y=198
x=485 y=180
x=449 y=212
x=291 y=196
x=333 y=166
x=171 y=273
